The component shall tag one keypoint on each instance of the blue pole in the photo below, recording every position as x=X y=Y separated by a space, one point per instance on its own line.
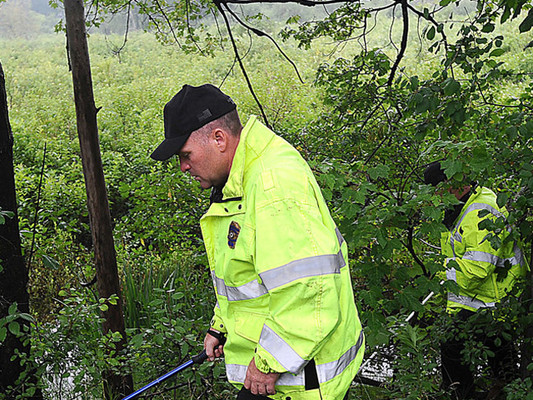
x=198 y=359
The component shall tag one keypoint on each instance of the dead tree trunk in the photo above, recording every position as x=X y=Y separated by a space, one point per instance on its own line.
x=13 y=273
x=99 y=215
x=527 y=345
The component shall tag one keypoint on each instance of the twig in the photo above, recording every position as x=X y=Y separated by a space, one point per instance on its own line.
x=409 y=246
x=261 y=33
x=403 y=46
x=36 y=210
x=236 y=51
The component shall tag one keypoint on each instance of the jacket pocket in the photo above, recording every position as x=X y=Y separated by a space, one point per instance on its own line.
x=249 y=324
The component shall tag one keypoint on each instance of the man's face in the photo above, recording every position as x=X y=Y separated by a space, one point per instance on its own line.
x=200 y=157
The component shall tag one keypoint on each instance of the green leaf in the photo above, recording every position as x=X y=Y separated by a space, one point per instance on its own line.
x=379 y=171
x=26 y=317
x=527 y=23
x=452 y=167
x=431 y=33
x=451 y=86
x=502 y=199
x=14 y=328
x=12 y=308
x=415 y=83
x=49 y=262
x=497 y=52
x=3 y=334
x=487 y=28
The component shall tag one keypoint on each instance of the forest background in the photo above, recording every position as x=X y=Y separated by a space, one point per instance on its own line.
x=370 y=113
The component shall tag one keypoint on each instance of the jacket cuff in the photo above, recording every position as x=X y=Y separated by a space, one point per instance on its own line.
x=266 y=363
x=218 y=324
x=262 y=365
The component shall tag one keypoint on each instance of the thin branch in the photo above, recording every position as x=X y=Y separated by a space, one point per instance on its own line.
x=236 y=51
x=409 y=246
x=235 y=60
x=214 y=14
x=391 y=28
x=403 y=46
x=307 y=3
x=430 y=245
x=153 y=20
x=429 y=17
x=364 y=124
x=168 y=22
x=116 y=51
x=37 y=209
x=187 y=5
x=489 y=103
x=261 y=33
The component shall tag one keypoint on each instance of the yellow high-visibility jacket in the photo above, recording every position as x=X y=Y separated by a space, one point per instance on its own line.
x=485 y=275
x=280 y=271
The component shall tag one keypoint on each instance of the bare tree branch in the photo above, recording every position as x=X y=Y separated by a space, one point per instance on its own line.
x=117 y=50
x=307 y=3
x=403 y=46
x=218 y=3
x=261 y=33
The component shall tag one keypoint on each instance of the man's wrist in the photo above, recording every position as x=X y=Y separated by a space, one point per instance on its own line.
x=216 y=334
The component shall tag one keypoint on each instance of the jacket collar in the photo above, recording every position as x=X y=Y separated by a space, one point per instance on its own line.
x=451 y=215
x=254 y=139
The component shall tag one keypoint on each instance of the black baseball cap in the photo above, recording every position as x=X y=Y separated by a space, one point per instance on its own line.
x=434 y=174
x=190 y=109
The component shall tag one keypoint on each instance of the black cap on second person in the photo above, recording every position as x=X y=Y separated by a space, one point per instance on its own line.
x=190 y=109
x=434 y=174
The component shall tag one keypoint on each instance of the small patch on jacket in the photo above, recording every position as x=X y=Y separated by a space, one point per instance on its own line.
x=268 y=180
x=233 y=234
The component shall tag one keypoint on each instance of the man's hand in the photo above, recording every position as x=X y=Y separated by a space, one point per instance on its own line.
x=258 y=382
x=212 y=347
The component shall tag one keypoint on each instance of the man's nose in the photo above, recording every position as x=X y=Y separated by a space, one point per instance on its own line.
x=184 y=166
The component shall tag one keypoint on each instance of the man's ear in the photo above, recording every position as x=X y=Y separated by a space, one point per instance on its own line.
x=221 y=139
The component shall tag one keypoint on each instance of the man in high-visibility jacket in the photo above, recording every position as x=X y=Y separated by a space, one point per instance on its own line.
x=485 y=275
x=285 y=303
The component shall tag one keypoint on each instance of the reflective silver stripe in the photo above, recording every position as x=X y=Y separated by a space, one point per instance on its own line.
x=339 y=236
x=456 y=236
x=288 y=379
x=452 y=244
x=482 y=256
x=478 y=206
x=451 y=274
x=518 y=255
x=281 y=350
x=250 y=290
x=325 y=372
x=469 y=301
x=304 y=268
x=236 y=372
x=328 y=371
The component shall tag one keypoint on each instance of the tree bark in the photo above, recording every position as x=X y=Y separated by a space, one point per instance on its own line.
x=527 y=345
x=97 y=202
x=13 y=273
